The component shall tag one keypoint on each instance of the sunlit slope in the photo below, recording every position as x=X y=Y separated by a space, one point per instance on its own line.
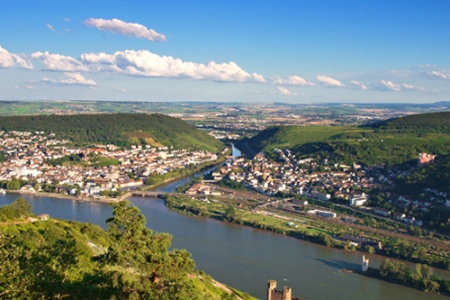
x=118 y=129
x=391 y=142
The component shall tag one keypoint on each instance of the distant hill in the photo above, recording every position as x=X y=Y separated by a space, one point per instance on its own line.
x=118 y=129
x=394 y=141
x=416 y=124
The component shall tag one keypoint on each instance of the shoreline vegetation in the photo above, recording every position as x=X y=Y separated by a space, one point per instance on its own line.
x=64 y=196
x=392 y=271
x=159 y=180
x=275 y=223
x=420 y=278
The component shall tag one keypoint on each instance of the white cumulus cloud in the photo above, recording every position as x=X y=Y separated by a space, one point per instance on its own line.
x=328 y=81
x=438 y=74
x=258 y=78
x=285 y=91
x=387 y=85
x=146 y=63
x=58 y=62
x=356 y=85
x=70 y=79
x=11 y=60
x=292 y=80
x=134 y=63
x=129 y=29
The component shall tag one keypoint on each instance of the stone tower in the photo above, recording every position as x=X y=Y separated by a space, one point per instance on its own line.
x=287 y=293
x=365 y=263
x=274 y=294
x=271 y=288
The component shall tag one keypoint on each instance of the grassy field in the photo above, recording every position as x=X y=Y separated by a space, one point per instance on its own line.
x=274 y=221
x=295 y=135
x=102 y=161
x=292 y=136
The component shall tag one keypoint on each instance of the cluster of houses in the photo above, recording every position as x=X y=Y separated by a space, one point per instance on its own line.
x=295 y=176
x=235 y=123
x=398 y=216
x=201 y=189
x=29 y=153
x=221 y=135
x=302 y=176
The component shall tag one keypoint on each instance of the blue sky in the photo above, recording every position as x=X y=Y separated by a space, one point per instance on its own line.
x=261 y=51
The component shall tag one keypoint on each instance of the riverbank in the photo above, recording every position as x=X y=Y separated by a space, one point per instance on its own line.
x=427 y=283
x=184 y=174
x=66 y=197
x=303 y=227
x=178 y=174
x=268 y=222
x=421 y=278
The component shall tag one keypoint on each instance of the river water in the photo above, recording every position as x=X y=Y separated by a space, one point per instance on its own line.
x=245 y=257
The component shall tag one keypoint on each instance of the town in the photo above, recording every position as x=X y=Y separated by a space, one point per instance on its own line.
x=348 y=186
x=31 y=156
x=33 y=160
x=41 y=163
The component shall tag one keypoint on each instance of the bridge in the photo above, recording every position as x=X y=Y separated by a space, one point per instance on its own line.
x=151 y=194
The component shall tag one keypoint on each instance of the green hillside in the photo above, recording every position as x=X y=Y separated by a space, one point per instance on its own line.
x=391 y=142
x=418 y=124
x=54 y=259
x=118 y=129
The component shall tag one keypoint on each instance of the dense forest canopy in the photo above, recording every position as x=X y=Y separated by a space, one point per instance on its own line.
x=117 y=129
x=418 y=124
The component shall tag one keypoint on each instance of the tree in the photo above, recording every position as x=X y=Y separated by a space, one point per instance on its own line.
x=426 y=271
x=325 y=239
x=151 y=180
x=7 y=212
x=230 y=213
x=11 y=280
x=159 y=273
x=126 y=228
x=203 y=211
x=369 y=249
x=388 y=269
x=21 y=207
x=13 y=185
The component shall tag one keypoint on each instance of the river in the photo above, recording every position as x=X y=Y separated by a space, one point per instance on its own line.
x=245 y=257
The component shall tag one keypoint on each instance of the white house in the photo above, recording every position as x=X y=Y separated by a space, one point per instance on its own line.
x=358 y=200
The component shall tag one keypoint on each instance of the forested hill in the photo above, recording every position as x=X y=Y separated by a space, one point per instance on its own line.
x=118 y=129
x=420 y=123
x=391 y=142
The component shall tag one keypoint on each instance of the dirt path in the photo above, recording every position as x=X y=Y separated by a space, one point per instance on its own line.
x=225 y=288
